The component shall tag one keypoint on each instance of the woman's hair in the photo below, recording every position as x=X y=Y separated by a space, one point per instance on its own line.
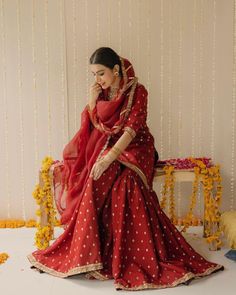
x=107 y=57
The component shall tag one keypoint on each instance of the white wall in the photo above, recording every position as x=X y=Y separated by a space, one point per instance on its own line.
x=182 y=51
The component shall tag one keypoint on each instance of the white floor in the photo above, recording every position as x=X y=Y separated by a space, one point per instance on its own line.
x=16 y=277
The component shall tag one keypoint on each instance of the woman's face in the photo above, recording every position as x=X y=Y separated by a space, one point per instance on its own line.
x=103 y=75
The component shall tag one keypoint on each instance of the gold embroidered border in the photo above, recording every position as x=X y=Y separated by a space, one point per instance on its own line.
x=97 y=275
x=137 y=170
x=74 y=271
x=185 y=278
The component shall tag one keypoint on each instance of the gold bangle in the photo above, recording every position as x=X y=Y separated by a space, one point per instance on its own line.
x=131 y=132
x=116 y=150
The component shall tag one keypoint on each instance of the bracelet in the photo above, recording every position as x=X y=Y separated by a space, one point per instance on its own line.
x=116 y=150
x=131 y=132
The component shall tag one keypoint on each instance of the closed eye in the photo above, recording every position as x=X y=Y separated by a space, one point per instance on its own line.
x=100 y=74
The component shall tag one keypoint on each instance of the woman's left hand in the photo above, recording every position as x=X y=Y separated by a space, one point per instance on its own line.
x=98 y=168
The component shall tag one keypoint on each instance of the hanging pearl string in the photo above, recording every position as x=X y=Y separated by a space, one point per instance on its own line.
x=119 y=25
x=200 y=98
x=180 y=96
x=161 y=79
x=161 y=86
x=180 y=73
x=130 y=28
x=47 y=77
x=138 y=34
x=194 y=81
x=35 y=98
x=64 y=108
x=87 y=47
x=232 y=178
x=170 y=83
x=97 y=22
x=74 y=65
x=109 y=21
x=20 y=100
x=213 y=84
x=148 y=47
x=5 y=108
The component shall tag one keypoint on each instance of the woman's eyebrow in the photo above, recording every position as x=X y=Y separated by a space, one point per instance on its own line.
x=98 y=71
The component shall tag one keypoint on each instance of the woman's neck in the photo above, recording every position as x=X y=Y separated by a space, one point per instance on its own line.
x=115 y=84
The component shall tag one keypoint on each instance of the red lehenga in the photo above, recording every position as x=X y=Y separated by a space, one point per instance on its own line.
x=114 y=226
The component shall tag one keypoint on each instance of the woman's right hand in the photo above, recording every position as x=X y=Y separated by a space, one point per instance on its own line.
x=95 y=90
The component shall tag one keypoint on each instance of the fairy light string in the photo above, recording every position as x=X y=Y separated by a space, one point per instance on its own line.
x=20 y=103
x=87 y=47
x=148 y=47
x=194 y=80
x=232 y=170
x=35 y=97
x=74 y=63
x=49 y=115
x=5 y=108
x=161 y=78
x=119 y=25
x=64 y=108
x=200 y=101
x=213 y=82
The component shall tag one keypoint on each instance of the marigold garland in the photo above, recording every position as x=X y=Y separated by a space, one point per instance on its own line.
x=44 y=198
x=211 y=180
x=169 y=188
x=3 y=257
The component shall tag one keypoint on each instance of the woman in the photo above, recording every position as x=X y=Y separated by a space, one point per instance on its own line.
x=114 y=226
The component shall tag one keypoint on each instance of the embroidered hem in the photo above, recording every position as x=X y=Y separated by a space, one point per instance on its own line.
x=73 y=271
x=96 y=275
x=185 y=278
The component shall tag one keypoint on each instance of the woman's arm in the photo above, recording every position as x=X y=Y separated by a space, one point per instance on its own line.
x=119 y=147
x=103 y=163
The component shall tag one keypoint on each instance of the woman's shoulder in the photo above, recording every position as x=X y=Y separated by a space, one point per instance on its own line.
x=141 y=89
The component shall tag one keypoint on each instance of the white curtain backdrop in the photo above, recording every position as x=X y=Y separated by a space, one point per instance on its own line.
x=183 y=51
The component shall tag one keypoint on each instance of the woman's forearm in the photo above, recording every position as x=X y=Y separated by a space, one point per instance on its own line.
x=91 y=105
x=119 y=146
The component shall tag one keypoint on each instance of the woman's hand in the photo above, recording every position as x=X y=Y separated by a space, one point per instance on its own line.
x=99 y=167
x=95 y=90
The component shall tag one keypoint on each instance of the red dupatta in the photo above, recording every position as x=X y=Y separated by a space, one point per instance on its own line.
x=79 y=155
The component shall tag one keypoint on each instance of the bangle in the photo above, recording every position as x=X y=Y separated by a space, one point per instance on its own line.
x=116 y=150
x=131 y=132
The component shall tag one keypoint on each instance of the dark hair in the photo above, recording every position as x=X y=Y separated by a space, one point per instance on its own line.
x=107 y=57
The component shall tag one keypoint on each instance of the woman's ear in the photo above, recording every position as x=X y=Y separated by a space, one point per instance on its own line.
x=116 y=68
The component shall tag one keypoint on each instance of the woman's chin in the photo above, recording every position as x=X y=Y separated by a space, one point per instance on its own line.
x=104 y=86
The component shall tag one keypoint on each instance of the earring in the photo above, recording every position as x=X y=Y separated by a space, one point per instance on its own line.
x=116 y=73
